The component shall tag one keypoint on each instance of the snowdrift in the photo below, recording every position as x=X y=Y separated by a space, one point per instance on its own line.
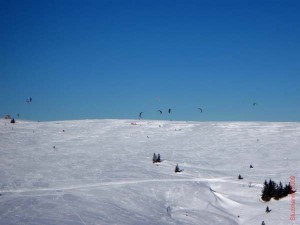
x=101 y=172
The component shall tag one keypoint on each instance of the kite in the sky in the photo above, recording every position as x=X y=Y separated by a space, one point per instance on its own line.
x=200 y=109
x=29 y=100
x=254 y=103
x=140 y=114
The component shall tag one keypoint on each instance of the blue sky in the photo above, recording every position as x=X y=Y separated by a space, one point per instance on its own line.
x=114 y=59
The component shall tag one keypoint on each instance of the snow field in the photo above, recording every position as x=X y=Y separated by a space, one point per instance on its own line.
x=101 y=172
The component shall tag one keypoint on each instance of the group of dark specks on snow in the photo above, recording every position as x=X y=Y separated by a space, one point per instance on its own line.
x=269 y=191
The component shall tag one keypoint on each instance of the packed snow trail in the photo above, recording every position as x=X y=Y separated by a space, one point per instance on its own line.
x=101 y=172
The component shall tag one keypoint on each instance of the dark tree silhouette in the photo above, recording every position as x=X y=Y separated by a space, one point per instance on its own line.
x=177 y=170
x=154 y=158
x=276 y=191
x=158 y=158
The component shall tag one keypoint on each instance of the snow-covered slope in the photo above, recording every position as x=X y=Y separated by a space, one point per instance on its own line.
x=101 y=172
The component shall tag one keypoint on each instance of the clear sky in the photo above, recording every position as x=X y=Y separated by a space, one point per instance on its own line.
x=114 y=59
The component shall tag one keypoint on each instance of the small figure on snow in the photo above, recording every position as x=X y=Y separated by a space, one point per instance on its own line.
x=177 y=170
x=263 y=223
x=12 y=120
x=251 y=166
x=240 y=177
x=268 y=210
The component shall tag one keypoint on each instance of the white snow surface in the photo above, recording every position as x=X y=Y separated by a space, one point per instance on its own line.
x=101 y=172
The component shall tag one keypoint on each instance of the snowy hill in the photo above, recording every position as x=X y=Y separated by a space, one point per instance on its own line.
x=101 y=172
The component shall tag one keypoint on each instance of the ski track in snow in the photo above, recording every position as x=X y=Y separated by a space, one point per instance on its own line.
x=100 y=172
x=114 y=183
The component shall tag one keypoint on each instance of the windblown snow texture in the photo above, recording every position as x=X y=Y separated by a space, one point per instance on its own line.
x=101 y=172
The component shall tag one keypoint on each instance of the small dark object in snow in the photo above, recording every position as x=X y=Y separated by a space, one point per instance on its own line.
x=63 y=130
x=177 y=170
x=251 y=166
x=53 y=146
x=12 y=120
x=156 y=158
x=268 y=210
x=240 y=177
x=263 y=223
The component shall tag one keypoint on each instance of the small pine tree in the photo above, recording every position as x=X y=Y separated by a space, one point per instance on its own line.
x=154 y=158
x=279 y=191
x=272 y=188
x=265 y=192
x=177 y=170
x=158 y=158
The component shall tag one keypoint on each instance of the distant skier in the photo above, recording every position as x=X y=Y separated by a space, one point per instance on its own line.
x=12 y=120
x=251 y=166
x=263 y=223
x=177 y=170
x=240 y=177
x=268 y=210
